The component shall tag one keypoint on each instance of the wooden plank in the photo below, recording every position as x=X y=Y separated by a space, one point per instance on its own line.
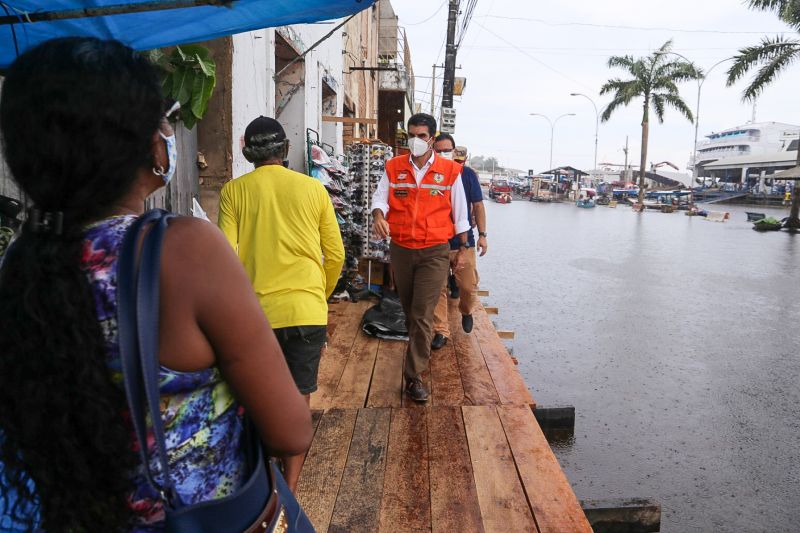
x=446 y=386
x=348 y=324
x=505 y=334
x=324 y=465
x=406 y=504
x=475 y=378
x=349 y=120
x=483 y=293
x=549 y=493
x=454 y=497
x=492 y=310
x=354 y=384
x=507 y=380
x=358 y=505
x=386 y=389
x=503 y=504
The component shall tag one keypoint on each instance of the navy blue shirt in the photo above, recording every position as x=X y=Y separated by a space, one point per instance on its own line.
x=473 y=192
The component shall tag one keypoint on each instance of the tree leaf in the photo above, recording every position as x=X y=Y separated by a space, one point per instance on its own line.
x=201 y=92
x=182 y=84
x=203 y=66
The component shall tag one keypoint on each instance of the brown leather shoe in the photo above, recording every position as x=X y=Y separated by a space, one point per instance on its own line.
x=417 y=391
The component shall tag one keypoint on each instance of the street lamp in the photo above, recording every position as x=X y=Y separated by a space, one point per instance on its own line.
x=552 y=129
x=596 y=131
x=700 y=81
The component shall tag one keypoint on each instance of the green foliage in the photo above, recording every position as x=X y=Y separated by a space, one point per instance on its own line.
x=654 y=78
x=190 y=76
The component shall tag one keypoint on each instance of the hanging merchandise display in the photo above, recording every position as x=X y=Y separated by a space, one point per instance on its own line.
x=323 y=166
x=367 y=162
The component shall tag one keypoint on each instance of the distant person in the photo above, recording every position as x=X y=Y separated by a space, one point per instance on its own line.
x=466 y=278
x=420 y=203
x=87 y=139
x=283 y=227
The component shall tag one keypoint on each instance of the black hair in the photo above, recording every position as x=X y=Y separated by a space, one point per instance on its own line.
x=445 y=137
x=423 y=119
x=264 y=139
x=78 y=117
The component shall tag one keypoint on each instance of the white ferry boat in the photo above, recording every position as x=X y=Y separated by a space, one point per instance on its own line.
x=752 y=139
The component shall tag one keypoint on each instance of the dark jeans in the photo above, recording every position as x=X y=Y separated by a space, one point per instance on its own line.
x=302 y=346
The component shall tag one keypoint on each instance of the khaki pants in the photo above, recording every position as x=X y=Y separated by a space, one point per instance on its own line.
x=467 y=280
x=419 y=276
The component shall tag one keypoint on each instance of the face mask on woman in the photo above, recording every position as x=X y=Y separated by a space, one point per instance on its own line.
x=172 y=157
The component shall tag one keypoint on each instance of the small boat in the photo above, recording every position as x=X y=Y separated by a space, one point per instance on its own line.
x=753 y=217
x=586 y=203
x=502 y=198
x=767 y=224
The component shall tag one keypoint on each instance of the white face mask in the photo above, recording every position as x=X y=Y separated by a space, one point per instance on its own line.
x=446 y=155
x=417 y=146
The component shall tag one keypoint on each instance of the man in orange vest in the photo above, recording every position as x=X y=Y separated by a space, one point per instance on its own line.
x=420 y=204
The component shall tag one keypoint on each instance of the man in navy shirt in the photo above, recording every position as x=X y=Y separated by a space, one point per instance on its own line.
x=467 y=276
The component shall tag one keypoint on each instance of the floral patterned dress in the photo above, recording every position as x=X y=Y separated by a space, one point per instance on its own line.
x=202 y=423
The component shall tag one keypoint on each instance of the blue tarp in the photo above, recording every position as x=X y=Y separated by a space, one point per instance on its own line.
x=154 y=29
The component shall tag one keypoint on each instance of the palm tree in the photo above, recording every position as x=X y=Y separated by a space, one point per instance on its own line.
x=773 y=55
x=654 y=78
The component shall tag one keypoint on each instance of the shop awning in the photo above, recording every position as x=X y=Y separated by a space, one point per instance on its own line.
x=790 y=174
x=147 y=24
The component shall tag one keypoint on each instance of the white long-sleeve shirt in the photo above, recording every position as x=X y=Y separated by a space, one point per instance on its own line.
x=458 y=199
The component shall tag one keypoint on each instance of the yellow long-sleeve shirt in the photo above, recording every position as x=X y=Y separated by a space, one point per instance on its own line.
x=283 y=227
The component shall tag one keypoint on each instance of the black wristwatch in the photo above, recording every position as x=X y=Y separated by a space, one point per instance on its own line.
x=481 y=234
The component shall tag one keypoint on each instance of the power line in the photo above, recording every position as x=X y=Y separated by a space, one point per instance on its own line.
x=539 y=61
x=429 y=18
x=633 y=28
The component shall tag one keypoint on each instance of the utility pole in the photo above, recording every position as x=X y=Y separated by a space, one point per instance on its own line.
x=625 y=170
x=450 y=56
x=433 y=91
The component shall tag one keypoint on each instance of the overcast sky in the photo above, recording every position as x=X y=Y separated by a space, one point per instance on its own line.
x=521 y=57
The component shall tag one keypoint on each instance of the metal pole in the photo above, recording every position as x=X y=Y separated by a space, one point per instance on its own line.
x=450 y=56
x=433 y=92
x=596 y=131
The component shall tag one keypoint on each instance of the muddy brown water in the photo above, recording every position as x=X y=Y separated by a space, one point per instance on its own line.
x=678 y=342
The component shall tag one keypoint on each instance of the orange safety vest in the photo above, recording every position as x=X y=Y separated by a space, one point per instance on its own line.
x=421 y=216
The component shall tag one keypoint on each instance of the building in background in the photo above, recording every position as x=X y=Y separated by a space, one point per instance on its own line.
x=396 y=79
x=360 y=75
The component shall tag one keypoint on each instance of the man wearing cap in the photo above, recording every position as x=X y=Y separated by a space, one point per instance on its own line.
x=420 y=204
x=283 y=227
x=466 y=278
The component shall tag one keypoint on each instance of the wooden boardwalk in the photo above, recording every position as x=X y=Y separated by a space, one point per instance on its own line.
x=472 y=459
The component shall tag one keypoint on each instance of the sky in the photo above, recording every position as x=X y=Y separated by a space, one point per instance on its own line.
x=522 y=57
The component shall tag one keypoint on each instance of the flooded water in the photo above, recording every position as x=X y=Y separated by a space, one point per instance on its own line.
x=676 y=339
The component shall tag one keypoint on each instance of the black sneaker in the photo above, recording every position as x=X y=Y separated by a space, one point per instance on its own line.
x=453 y=286
x=466 y=323
x=438 y=341
x=417 y=391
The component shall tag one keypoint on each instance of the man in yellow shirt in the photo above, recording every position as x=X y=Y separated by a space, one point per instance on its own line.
x=283 y=227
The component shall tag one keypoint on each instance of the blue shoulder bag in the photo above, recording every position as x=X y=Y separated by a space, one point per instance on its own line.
x=264 y=503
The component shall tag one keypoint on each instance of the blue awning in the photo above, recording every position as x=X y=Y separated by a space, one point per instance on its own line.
x=147 y=24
